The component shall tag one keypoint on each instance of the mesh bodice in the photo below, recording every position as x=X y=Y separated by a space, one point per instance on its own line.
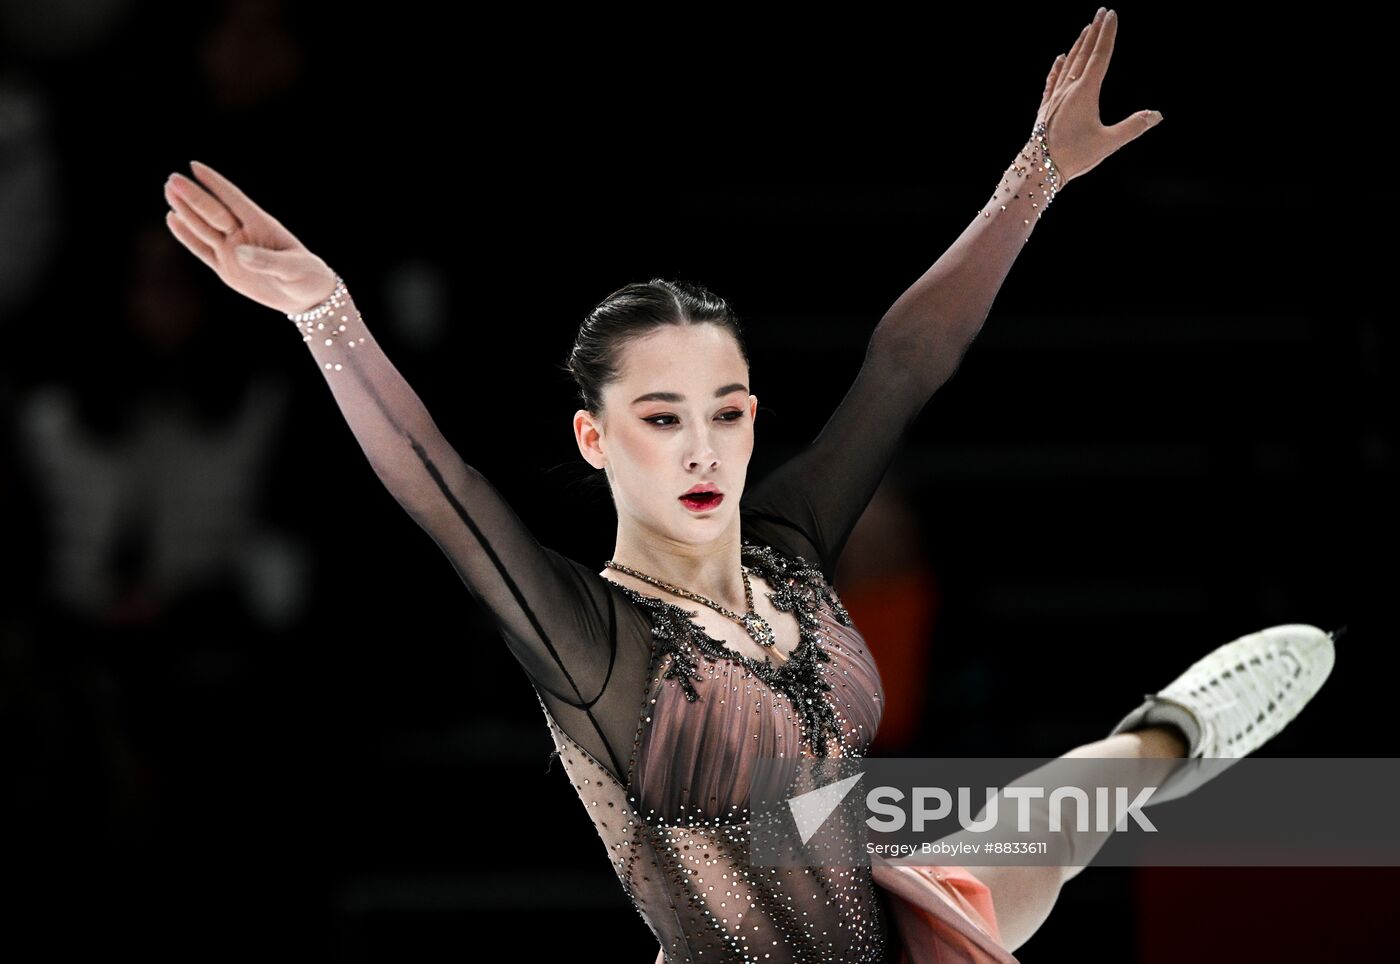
x=677 y=831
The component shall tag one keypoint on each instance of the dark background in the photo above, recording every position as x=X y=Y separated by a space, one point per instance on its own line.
x=1175 y=428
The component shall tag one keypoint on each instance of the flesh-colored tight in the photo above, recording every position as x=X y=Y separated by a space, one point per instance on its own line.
x=1023 y=895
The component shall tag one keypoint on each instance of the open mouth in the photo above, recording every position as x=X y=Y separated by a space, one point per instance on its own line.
x=702 y=500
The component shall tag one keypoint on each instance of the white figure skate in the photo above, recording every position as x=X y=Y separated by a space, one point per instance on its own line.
x=1237 y=698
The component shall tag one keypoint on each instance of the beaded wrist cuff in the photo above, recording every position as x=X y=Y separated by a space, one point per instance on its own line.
x=311 y=325
x=1039 y=169
x=333 y=301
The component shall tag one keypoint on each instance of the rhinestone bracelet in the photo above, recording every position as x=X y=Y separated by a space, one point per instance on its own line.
x=1040 y=165
x=332 y=301
x=309 y=322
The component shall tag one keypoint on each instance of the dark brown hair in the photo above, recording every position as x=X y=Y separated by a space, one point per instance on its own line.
x=632 y=311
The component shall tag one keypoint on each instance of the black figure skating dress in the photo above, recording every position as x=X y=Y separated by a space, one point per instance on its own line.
x=658 y=725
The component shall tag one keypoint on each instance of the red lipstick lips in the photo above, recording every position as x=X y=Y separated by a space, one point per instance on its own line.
x=703 y=497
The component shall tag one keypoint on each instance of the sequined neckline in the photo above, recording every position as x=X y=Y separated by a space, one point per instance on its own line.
x=799 y=588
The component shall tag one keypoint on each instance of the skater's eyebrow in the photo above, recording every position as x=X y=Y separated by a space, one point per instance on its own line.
x=675 y=397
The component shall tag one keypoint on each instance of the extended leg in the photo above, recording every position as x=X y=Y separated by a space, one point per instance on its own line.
x=1226 y=705
x=1023 y=895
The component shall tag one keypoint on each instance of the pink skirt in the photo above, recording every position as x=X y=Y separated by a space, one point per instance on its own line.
x=939 y=914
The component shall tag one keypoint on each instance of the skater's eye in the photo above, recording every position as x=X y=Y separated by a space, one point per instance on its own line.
x=731 y=416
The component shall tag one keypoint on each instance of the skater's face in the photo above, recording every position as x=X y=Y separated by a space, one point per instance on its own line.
x=679 y=415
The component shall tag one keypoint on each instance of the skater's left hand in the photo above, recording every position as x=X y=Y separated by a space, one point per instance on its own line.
x=1077 y=140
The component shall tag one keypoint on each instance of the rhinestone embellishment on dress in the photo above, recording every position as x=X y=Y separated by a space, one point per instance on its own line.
x=799 y=588
x=684 y=860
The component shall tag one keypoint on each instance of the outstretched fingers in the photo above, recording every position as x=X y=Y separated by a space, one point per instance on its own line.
x=194 y=220
x=1072 y=59
x=190 y=240
x=1079 y=56
x=235 y=200
x=1097 y=66
x=208 y=207
x=1052 y=80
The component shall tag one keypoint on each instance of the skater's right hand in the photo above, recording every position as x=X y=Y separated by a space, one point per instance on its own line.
x=1069 y=107
x=215 y=220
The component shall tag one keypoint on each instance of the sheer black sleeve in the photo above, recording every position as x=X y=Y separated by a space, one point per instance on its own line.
x=560 y=619
x=810 y=503
x=814 y=500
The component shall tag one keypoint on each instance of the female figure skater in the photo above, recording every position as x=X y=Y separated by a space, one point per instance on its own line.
x=713 y=636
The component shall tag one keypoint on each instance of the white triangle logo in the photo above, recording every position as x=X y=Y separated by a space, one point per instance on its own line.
x=810 y=809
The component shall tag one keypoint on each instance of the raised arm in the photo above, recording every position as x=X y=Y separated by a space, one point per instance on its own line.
x=553 y=612
x=817 y=497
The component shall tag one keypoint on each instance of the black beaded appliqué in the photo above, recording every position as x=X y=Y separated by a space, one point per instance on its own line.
x=799 y=588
